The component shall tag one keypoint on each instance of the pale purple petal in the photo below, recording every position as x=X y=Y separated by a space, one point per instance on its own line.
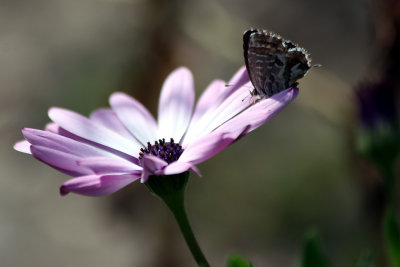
x=52 y=127
x=151 y=166
x=206 y=147
x=107 y=118
x=23 y=146
x=63 y=144
x=230 y=107
x=208 y=100
x=62 y=161
x=108 y=165
x=176 y=104
x=102 y=150
x=239 y=79
x=218 y=91
x=97 y=185
x=180 y=167
x=136 y=118
x=87 y=129
x=260 y=112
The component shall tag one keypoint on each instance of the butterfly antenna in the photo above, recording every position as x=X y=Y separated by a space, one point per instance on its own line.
x=251 y=95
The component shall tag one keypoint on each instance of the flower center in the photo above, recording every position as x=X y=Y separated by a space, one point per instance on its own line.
x=168 y=151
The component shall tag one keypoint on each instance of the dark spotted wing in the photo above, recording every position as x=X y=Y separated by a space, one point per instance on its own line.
x=273 y=63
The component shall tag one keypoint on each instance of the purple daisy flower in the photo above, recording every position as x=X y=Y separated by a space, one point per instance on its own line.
x=115 y=147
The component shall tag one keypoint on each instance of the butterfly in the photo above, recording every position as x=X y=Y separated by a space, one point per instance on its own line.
x=273 y=63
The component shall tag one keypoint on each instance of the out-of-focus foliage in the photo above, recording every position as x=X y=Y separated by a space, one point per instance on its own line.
x=366 y=259
x=392 y=237
x=312 y=253
x=238 y=261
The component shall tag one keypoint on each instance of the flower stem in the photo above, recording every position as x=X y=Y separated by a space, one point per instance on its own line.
x=180 y=215
x=171 y=190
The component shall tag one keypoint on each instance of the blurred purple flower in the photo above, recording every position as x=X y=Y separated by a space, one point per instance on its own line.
x=378 y=137
x=377 y=104
x=112 y=148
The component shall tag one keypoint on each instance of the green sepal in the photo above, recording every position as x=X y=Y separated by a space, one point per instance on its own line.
x=169 y=188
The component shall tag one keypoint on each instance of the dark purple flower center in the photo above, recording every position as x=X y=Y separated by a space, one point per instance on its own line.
x=168 y=151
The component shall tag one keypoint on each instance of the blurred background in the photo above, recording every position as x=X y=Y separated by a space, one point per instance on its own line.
x=299 y=171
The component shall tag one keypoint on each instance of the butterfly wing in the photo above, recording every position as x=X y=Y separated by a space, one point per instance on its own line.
x=298 y=64
x=273 y=63
x=250 y=62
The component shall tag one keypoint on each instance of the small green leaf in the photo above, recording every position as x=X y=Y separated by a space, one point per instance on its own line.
x=392 y=237
x=312 y=254
x=238 y=261
x=366 y=259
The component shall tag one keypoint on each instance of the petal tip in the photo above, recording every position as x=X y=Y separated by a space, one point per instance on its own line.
x=63 y=191
x=195 y=170
x=144 y=178
x=26 y=132
x=25 y=129
x=114 y=96
x=295 y=92
x=53 y=111
x=23 y=146
x=181 y=71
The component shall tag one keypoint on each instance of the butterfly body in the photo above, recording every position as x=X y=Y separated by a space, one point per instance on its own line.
x=273 y=63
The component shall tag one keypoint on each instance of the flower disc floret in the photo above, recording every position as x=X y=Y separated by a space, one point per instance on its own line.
x=167 y=151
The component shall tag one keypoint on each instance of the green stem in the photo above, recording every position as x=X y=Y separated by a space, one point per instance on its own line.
x=171 y=190
x=177 y=208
